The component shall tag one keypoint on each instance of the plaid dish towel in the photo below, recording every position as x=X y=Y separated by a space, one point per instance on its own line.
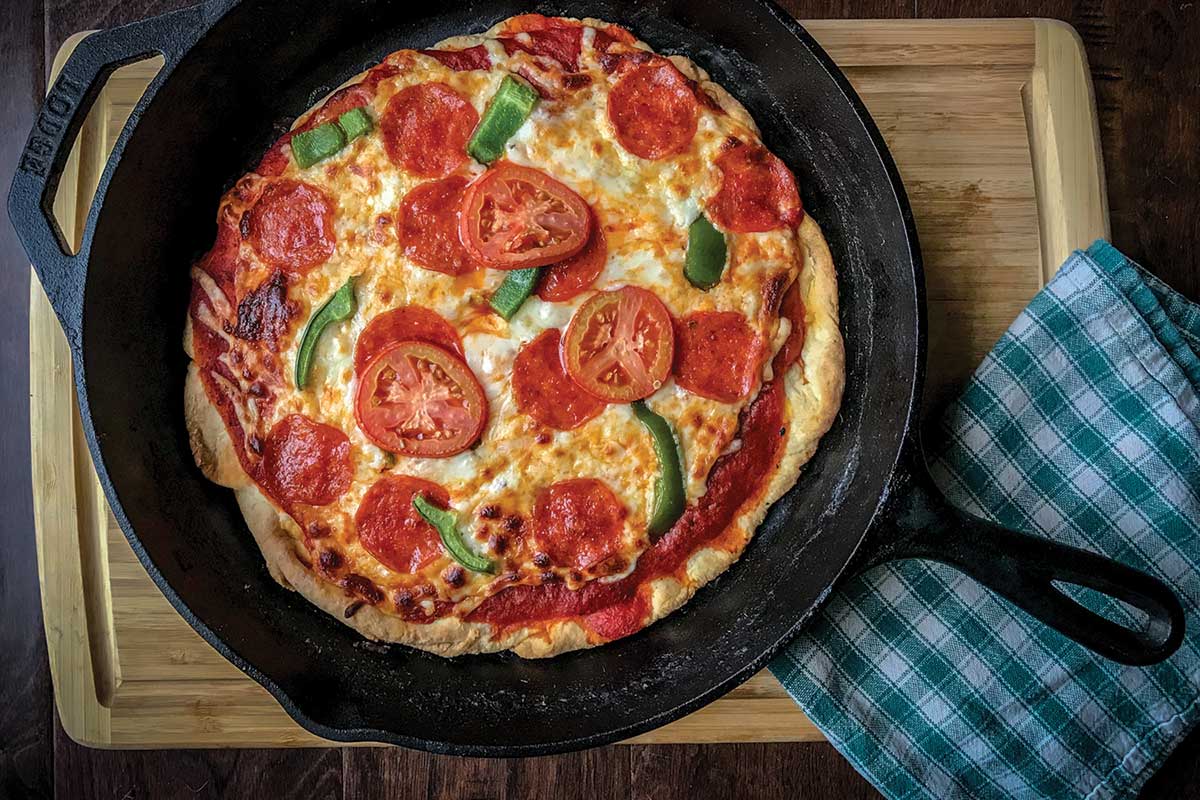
x=1082 y=425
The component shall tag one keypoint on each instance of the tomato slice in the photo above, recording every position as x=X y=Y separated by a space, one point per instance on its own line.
x=417 y=399
x=518 y=217
x=619 y=345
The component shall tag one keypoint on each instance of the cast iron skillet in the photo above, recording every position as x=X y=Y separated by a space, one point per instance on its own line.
x=234 y=77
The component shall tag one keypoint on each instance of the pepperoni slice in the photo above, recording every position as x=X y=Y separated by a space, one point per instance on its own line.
x=653 y=110
x=717 y=355
x=380 y=73
x=404 y=324
x=758 y=192
x=543 y=390
x=426 y=127
x=578 y=523
x=792 y=309
x=559 y=39
x=275 y=160
x=341 y=101
x=604 y=38
x=427 y=226
x=306 y=462
x=222 y=261
x=391 y=529
x=566 y=279
x=291 y=226
x=462 y=60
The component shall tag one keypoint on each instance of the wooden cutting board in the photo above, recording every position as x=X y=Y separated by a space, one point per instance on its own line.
x=993 y=126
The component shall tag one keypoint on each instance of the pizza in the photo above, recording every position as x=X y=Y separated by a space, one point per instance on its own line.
x=510 y=343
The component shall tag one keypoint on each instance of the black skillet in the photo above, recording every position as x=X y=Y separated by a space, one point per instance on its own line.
x=233 y=79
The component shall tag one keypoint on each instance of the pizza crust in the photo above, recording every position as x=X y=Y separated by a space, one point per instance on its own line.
x=813 y=391
x=209 y=439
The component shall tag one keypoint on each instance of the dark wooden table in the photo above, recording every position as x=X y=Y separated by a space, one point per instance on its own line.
x=1146 y=68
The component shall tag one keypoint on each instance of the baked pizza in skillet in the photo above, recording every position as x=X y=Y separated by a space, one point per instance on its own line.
x=510 y=344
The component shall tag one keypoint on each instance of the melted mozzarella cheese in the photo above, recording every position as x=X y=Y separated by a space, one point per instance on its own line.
x=645 y=208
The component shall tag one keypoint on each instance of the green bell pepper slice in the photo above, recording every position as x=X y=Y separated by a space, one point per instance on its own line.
x=668 y=488
x=514 y=291
x=706 y=251
x=355 y=123
x=328 y=139
x=340 y=306
x=506 y=112
x=446 y=524
x=317 y=144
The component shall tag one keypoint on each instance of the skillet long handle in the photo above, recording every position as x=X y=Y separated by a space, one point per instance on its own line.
x=31 y=198
x=1023 y=569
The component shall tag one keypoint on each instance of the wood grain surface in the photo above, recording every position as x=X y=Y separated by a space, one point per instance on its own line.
x=1146 y=71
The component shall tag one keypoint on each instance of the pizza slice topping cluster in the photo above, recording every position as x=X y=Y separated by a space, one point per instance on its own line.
x=495 y=327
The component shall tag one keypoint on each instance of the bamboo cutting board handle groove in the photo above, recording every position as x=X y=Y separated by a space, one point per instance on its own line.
x=993 y=126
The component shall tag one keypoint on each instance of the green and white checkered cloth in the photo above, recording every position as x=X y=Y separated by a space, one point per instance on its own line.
x=1082 y=425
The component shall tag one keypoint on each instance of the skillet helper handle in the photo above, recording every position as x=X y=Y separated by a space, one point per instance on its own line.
x=1023 y=568
x=40 y=167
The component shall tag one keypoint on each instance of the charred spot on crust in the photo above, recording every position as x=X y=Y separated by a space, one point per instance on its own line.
x=773 y=292
x=706 y=99
x=382 y=231
x=353 y=608
x=611 y=62
x=730 y=143
x=329 y=560
x=361 y=586
x=454 y=576
x=613 y=565
x=264 y=314
x=245 y=189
